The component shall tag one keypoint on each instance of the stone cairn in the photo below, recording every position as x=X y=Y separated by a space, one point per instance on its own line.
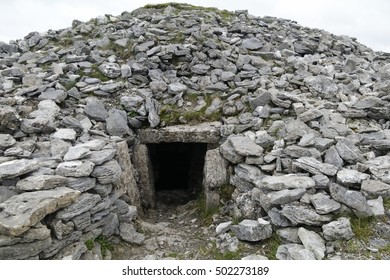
x=304 y=129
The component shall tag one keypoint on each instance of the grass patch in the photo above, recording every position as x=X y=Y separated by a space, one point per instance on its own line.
x=271 y=246
x=214 y=253
x=206 y=213
x=89 y=244
x=362 y=227
x=69 y=84
x=105 y=245
x=224 y=14
x=170 y=114
x=386 y=203
x=226 y=192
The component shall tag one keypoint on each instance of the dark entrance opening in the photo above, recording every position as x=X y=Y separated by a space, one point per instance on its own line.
x=177 y=170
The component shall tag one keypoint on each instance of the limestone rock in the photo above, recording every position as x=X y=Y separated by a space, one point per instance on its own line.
x=41 y=182
x=6 y=141
x=76 y=168
x=290 y=181
x=244 y=146
x=294 y=252
x=312 y=242
x=76 y=153
x=252 y=230
x=129 y=234
x=304 y=215
x=100 y=157
x=22 y=211
x=81 y=205
x=18 y=167
x=352 y=199
x=324 y=204
x=349 y=177
x=375 y=188
x=379 y=167
x=337 y=230
x=110 y=70
x=117 y=123
x=65 y=134
x=108 y=172
x=95 y=110
x=315 y=167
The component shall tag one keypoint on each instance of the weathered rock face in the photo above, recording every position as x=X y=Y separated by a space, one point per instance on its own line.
x=297 y=121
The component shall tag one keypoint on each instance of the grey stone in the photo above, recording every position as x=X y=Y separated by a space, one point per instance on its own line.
x=278 y=219
x=152 y=107
x=254 y=257
x=129 y=234
x=376 y=206
x=348 y=151
x=315 y=167
x=108 y=172
x=117 y=123
x=200 y=69
x=375 y=188
x=350 y=178
x=125 y=71
x=285 y=196
x=251 y=230
x=304 y=215
x=333 y=157
x=93 y=145
x=214 y=176
x=248 y=173
x=96 y=110
x=294 y=252
x=321 y=181
x=15 y=168
x=41 y=182
x=81 y=205
x=176 y=88
x=22 y=211
x=338 y=230
x=312 y=242
x=6 y=141
x=297 y=152
x=223 y=227
x=81 y=184
x=307 y=140
x=321 y=85
x=47 y=109
x=40 y=124
x=379 y=167
x=244 y=146
x=76 y=153
x=310 y=115
x=82 y=221
x=290 y=181
x=110 y=70
x=71 y=252
x=127 y=180
x=56 y=245
x=288 y=235
x=24 y=250
x=58 y=96
x=6 y=193
x=324 y=204
x=352 y=199
x=76 y=168
x=61 y=229
x=229 y=153
x=100 y=157
x=65 y=134
x=252 y=44
x=158 y=86
x=58 y=147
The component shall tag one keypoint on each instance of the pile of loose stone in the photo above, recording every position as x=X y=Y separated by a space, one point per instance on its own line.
x=305 y=126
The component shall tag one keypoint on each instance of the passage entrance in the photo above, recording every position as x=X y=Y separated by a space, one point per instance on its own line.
x=177 y=170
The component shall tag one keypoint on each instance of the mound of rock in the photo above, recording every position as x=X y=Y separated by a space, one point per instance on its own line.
x=303 y=136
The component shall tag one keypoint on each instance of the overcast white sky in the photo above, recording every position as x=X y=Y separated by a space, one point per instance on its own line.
x=366 y=20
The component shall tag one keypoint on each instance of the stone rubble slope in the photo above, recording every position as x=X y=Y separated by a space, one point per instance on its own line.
x=305 y=125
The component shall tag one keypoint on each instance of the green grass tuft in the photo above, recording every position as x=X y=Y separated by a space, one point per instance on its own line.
x=362 y=227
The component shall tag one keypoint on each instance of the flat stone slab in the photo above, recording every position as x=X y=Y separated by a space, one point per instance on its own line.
x=41 y=182
x=202 y=133
x=15 y=168
x=315 y=167
x=252 y=230
x=76 y=168
x=22 y=211
x=290 y=181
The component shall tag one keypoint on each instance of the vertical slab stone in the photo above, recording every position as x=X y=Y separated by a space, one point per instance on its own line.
x=214 y=176
x=127 y=183
x=144 y=167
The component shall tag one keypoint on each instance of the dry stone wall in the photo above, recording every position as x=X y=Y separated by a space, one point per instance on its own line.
x=305 y=132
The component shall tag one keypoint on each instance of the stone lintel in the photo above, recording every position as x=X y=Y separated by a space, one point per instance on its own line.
x=202 y=133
